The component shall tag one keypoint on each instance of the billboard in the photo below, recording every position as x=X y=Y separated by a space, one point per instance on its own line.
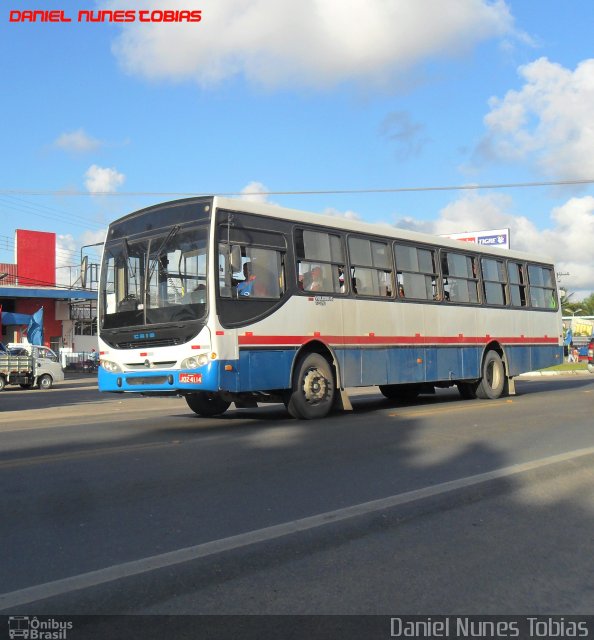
x=490 y=238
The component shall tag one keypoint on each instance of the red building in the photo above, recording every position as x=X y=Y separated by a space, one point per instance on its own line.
x=30 y=284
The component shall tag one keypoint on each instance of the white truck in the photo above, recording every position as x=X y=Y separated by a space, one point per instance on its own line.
x=29 y=366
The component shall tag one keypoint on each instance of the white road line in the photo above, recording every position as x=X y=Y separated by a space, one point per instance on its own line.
x=151 y=563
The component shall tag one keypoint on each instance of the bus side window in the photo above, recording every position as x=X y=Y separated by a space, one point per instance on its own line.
x=320 y=261
x=371 y=267
x=494 y=281
x=542 y=287
x=460 y=279
x=517 y=284
x=416 y=272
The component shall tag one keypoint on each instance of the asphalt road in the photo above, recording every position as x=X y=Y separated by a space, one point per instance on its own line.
x=114 y=504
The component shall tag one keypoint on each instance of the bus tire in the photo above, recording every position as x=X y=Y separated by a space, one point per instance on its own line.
x=467 y=390
x=313 y=391
x=207 y=404
x=492 y=383
x=400 y=392
x=2 y=382
x=45 y=382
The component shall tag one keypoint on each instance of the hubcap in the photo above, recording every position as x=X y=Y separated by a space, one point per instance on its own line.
x=315 y=386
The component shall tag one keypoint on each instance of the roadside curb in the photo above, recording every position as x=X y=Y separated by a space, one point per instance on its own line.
x=576 y=372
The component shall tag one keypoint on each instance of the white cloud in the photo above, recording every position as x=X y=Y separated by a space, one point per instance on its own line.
x=312 y=42
x=66 y=249
x=103 y=180
x=255 y=192
x=348 y=215
x=93 y=237
x=77 y=142
x=568 y=240
x=67 y=258
x=547 y=122
x=68 y=254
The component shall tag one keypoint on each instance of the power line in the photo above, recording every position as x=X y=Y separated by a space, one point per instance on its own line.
x=30 y=282
x=7 y=244
x=34 y=210
x=464 y=187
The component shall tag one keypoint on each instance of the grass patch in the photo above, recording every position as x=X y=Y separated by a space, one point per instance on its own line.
x=568 y=366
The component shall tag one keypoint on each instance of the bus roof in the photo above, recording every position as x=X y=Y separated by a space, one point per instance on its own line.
x=375 y=228
x=345 y=224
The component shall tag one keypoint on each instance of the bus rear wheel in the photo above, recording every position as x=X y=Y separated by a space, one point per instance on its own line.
x=313 y=388
x=492 y=383
x=207 y=404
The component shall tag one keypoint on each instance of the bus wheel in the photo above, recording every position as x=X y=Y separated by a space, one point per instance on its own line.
x=45 y=382
x=401 y=392
x=313 y=388
x=492 y=383
x=206 y=404
x=467 y=390
x=2 y=383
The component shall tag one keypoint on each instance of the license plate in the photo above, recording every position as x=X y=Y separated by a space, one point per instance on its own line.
x=190 y=378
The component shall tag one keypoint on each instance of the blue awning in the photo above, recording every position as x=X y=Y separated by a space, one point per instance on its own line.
x=51 y=293
x=8 y=317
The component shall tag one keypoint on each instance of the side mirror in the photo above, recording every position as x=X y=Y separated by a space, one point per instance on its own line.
x=235 y=258
x=84 y=265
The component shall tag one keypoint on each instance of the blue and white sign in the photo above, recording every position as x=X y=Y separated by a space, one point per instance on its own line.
x=490 y=238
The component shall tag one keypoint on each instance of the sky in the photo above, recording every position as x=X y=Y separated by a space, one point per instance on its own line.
x=433 y=111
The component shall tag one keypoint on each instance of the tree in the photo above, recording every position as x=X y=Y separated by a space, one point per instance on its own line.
x=587 y=304
x=583 y=307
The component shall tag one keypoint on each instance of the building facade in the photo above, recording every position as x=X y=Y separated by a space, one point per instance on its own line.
x=29 y=284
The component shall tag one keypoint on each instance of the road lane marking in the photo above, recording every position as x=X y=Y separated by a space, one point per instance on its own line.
x=144 y=565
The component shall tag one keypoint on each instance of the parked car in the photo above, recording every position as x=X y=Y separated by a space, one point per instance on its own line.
x=591 y=356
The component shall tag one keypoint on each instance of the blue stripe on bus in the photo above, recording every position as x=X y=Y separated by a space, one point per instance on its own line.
x=267 y=369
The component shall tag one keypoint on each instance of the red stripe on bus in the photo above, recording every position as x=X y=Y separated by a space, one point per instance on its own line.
x=251 y=340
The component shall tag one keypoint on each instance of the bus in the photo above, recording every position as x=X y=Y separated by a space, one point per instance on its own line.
x=226 y=301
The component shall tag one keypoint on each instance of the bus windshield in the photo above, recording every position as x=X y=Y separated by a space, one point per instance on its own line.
x=155 y=279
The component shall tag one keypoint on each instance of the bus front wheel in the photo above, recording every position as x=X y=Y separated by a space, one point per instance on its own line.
x=206 y=404
x=313 y=388
x=492 y=382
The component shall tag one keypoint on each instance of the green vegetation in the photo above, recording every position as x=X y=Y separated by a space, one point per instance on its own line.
x=568 y=366
x=581 y=308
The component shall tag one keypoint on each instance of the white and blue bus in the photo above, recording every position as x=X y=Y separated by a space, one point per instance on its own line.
x=224 y=301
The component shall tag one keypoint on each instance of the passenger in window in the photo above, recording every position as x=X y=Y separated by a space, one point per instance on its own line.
x=553 y=301
x=245 y=288
x=401 y=293
x=341 y=279
x=316 y=282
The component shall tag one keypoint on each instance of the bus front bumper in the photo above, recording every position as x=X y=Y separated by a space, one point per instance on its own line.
x=205 y=378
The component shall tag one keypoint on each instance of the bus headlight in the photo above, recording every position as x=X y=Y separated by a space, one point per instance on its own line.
x=112 y=367
x=193 y=362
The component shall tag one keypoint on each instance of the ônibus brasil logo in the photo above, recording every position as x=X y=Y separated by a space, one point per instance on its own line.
x=35 y=629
